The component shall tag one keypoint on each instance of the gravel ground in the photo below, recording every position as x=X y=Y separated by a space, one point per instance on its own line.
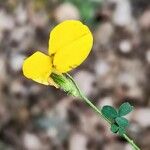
x=38 y=117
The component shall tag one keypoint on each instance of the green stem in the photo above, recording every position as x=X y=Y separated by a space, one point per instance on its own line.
x=98 y=110
x=130 y=141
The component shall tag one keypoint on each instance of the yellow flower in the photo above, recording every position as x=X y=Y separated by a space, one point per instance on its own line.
x=69 y=44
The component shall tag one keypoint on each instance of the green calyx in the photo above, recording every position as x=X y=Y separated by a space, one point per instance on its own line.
x=118 y=122
x=65 y=83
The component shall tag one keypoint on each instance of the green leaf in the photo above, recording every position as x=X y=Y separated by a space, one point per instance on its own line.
x=121 y=131
x=124 y=109
x=109 y=112
x=122 y=122
x=114 y=128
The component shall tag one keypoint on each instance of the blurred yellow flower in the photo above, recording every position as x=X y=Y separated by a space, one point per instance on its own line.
x=69 y=44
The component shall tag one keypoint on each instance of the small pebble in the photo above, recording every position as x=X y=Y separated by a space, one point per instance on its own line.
x=85 y=80
x=66 y=11
x=102 y=68
x=32 y=142
x=144 y=20
x=122 y=15
x=147 y=55
x=78 y=141
x=16 y=62
x=6 y=22
x=106 y=101
x=21 y=15
x=125 y=46
x=141 y=116
x=104 y=33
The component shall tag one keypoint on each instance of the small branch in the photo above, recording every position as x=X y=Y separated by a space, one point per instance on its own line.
x=97 y=110
x=130 y=141
x=67 y=83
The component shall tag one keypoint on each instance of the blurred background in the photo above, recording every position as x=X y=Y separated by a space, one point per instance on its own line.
x=38 y=117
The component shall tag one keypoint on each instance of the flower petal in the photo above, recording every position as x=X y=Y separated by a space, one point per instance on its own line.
x=70 y=42
x=38 y=67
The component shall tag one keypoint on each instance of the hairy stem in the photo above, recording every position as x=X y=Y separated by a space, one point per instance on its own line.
x=129 y=140
x=98 y=110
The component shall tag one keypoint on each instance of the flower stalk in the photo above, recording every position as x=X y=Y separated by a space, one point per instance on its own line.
x=67 y=83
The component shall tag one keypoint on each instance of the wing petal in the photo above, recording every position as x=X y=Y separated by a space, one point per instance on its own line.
x=38 y=67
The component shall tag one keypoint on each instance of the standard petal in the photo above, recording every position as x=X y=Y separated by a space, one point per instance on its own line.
x=70 y=43
x=38 y=67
